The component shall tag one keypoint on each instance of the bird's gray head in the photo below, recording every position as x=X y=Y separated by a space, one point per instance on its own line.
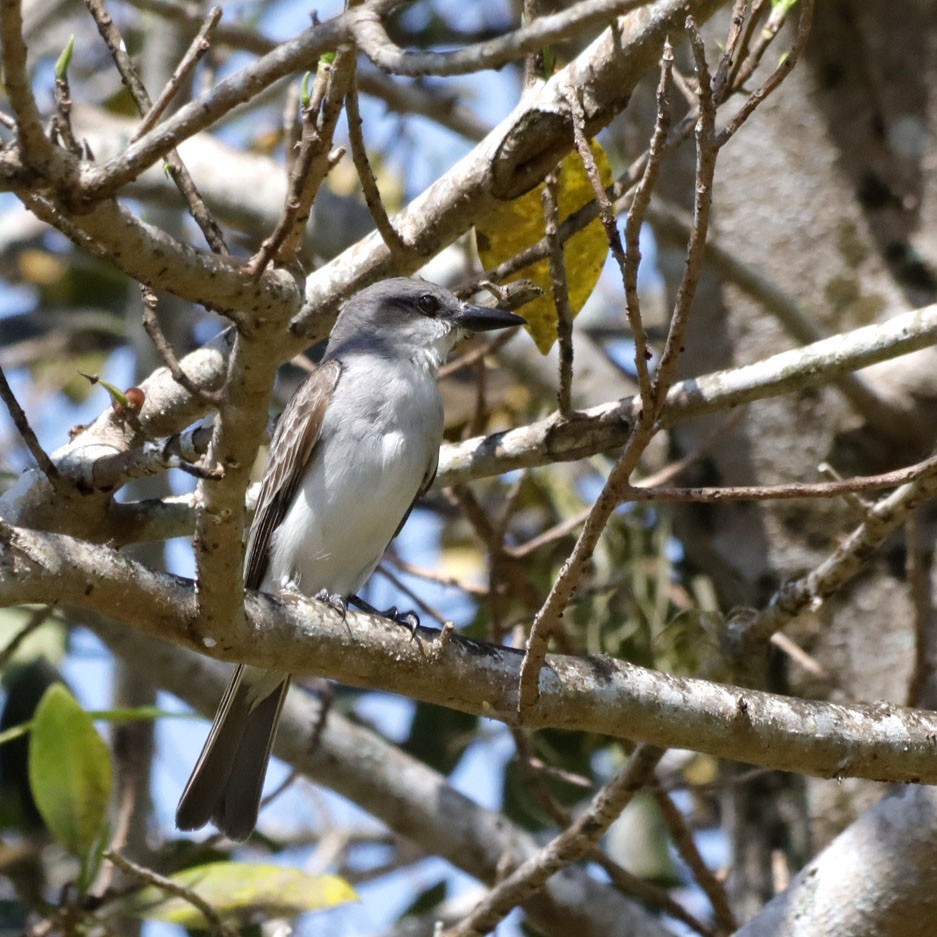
x=405 y=318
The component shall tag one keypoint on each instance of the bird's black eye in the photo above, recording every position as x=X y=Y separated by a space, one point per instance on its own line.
x=428 y=304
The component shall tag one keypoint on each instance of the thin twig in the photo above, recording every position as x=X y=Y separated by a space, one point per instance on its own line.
x=29 y=438
x=794 y=490
x=673 y=224
x=560 y=287
x=651 y=482
x=212 y=918
x=177 y=170
x=161 y=343
x=919 y=564
x=400 y=585
x=720 y=84
x=628 y=261
x=62 y=122
x=194 y=54
x=682 y=837
x=571 y=845
x=478 y=353
x=359 y=155
x=38 y=618
x=650 y=894
x=313 y=162
x=745 y=66
x=809 y=591
x=774 y=80
x=484 y=529
x=37 y=150
x=325 y=694
x=373 y=40
x=706 y=152
x=432 y=575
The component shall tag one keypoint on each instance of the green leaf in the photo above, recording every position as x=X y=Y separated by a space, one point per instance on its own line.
x=65 y=59
x=238 y=890
x=70 y=776
x=304 y=92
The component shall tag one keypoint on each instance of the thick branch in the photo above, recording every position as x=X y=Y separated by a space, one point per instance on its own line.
x=593 y=694
x=607 y=425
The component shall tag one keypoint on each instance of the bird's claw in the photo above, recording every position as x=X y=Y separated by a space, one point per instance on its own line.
x=338 y=602
x=408 y=619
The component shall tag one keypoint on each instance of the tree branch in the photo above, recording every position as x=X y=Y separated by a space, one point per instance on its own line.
x=592 y=693
x=372 y=38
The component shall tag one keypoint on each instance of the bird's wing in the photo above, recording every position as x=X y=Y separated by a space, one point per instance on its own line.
x=293 y=444
x=425 y=486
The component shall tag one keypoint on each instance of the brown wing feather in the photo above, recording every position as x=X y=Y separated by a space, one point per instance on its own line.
x=291 y=448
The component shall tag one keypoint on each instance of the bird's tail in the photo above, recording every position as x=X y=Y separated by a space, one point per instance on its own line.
x=228 y=779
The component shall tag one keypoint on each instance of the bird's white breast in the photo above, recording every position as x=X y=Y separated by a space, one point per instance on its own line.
x=380 y=437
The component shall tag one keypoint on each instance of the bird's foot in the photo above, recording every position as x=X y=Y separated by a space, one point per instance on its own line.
x=409 y=620
x=338 y=602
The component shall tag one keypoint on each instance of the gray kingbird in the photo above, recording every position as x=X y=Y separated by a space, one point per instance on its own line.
x=357 y=444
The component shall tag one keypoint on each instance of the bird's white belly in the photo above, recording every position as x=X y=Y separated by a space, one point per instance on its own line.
x=352 y=499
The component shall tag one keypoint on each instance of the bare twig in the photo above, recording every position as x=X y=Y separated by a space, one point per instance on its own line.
x=313 y=162
x=194 y=54
x=29 y=438
x=788 y=492
x=572 y=844
x=212 y=918
x=720 y=83
x=359 y=154
x=745 y=65
x=401 y=586
x=560 y=286
x=775 y=78
x=177 y=170
x=35 y=621
x=628 y=261
x=547 y=619
x=706 y=151
x=432 y=575
x=648 y=893
x=486 y=531
x=480 y=351
x=373 y=40
x=37 y=149
x=674 y=225
x=808 y=592
x=325 y=694
x=161 y=343
x=919 y=567
x=683 y=839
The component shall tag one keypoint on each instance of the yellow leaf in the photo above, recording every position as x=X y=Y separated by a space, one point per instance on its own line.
x=516 y=225
x=240 y=891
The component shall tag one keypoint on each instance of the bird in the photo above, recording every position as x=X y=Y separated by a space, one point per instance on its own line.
x=355 y=447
